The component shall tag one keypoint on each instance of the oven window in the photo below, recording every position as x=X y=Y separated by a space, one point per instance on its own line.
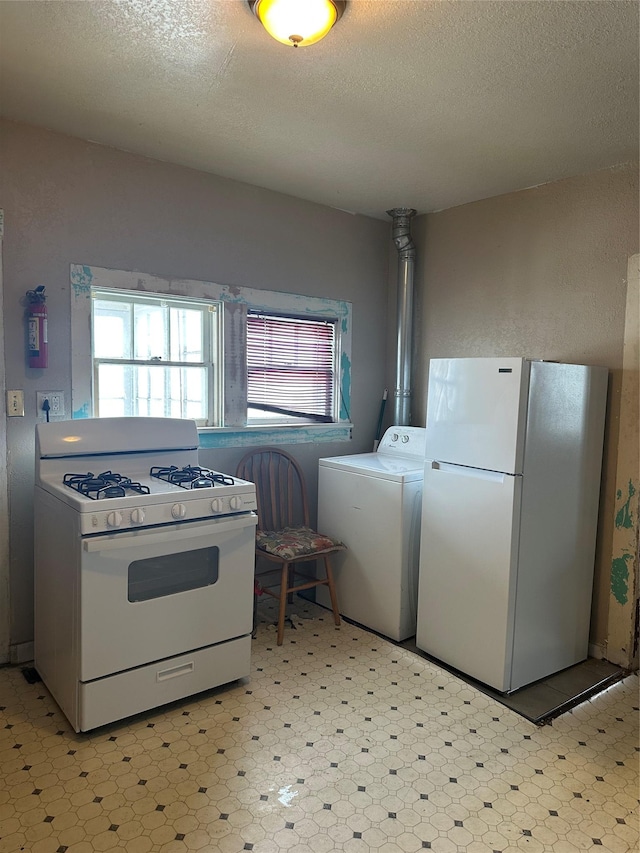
x=169 y=574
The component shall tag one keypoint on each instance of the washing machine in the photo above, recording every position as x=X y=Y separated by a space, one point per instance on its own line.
x=372 y=502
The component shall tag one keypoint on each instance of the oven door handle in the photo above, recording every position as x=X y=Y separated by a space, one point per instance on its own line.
x=130 y=538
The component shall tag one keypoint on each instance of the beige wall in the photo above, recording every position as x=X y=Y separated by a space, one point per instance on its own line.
x=538 y=273
x=69 y=201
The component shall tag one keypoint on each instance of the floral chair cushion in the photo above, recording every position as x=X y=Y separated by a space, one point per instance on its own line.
x=294 y=542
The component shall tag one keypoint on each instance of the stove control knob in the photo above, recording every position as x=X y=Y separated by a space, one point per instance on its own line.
x=137 y=516
x=216 y=505
x=235 y=502
x=178 y=510
x=114 y=519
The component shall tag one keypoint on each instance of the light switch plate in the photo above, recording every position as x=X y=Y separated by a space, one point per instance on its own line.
x=15 y=404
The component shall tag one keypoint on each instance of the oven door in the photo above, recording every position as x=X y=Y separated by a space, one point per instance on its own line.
x=151 y=594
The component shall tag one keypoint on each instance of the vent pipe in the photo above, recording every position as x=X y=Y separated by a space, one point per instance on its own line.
x=401 y=234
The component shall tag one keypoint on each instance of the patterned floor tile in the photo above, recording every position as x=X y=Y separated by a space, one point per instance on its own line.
x=339 y=741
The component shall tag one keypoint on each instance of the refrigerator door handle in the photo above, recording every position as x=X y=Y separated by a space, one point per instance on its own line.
x=463 y=471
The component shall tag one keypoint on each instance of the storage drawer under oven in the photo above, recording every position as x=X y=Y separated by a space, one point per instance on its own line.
x=151 y=594
x=127 y=693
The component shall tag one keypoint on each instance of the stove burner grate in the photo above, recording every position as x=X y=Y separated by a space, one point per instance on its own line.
x=191 y=477
x=105 y=485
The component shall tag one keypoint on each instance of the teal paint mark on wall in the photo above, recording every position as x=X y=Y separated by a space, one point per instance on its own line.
x=624 y=516
x=81 y=280
x=345 y=386
x=620 y=578
x=290 y=435
x=82 y=412
x=227 y=296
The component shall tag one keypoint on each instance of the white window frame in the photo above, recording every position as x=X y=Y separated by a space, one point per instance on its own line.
x=211 y=313
x=235 y=302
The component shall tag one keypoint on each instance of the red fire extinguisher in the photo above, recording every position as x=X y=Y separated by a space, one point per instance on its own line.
x=37 y=327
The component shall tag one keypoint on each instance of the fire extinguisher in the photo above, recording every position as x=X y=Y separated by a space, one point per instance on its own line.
x=37 y=327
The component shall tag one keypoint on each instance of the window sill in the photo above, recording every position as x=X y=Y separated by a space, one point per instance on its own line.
x=251 y=436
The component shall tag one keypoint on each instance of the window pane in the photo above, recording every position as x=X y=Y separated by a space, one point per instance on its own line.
x=113 y=392
x=152 y=391
x=111 y=329
x=194 y=383
x=150 y=331
x=186 y=334
x=184 y=391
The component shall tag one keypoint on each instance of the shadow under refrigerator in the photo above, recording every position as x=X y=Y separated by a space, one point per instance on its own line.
x=509 y=516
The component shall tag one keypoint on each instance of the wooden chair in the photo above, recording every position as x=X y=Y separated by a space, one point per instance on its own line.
x=283 y=535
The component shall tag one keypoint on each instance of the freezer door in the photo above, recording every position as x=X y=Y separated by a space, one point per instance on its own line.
x=467 y=580
x=476 y=412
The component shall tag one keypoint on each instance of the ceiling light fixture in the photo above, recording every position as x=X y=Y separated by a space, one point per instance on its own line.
x=297 y=22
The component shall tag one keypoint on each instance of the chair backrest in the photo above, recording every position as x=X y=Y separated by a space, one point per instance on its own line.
x=281 y=492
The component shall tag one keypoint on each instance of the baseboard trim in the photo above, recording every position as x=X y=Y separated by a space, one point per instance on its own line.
x=21 y=653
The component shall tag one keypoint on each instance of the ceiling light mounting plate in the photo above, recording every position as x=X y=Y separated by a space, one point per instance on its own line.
x=297 y=23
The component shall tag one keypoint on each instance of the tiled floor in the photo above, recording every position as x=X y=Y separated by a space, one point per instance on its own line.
x=339 y=741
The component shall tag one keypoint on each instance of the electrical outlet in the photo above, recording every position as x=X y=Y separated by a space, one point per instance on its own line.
x=56 y=405
x=15 y=404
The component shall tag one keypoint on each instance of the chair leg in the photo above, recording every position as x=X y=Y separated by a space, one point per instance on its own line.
x=290 y=583
x=284 y=586
x=332 y=590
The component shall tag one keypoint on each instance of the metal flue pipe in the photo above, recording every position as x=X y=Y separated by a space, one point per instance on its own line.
x=401 y=235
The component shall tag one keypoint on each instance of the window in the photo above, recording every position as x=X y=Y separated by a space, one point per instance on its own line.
x=291 y=369
x=154 y=356
x=249 y=366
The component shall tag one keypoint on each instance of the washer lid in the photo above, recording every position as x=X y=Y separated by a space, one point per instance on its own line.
x=380 y=465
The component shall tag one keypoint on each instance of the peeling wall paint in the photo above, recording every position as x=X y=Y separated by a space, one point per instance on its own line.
x=624 y=583
x=82 y=412
x=81 y=280
x=345 y=387
x=624 y=562
x=624 y=516
x=620 y=578
x=254 y=436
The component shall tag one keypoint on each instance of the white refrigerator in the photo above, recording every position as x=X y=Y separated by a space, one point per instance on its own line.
x=509 y=516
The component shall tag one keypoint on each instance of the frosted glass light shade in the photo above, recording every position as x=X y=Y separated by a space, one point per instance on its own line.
x=297 y=23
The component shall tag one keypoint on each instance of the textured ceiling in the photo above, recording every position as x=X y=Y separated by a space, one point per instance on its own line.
x=417 y=103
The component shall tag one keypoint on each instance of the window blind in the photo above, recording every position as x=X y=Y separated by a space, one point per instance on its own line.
x=290 y=365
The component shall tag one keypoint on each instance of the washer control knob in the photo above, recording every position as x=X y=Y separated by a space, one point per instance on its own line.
x=235 y=502
x=178 y=510
x=137 y=516
x=405 y=439
x=216 y=505
x=394 y=437
x=114 y=519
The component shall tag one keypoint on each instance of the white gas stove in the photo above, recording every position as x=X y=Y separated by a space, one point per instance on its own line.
x=157 y=480
x=143 y=567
